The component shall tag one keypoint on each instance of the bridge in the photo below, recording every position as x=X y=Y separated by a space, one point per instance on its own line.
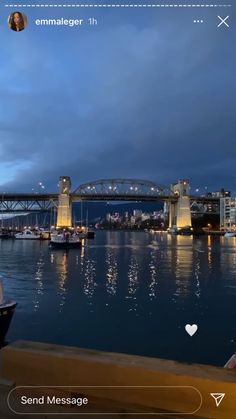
x=176 y=197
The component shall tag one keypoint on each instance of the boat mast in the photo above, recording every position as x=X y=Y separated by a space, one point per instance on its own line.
x=1 y=292
x=81 y=213
x=2 y=213
x=86 y=220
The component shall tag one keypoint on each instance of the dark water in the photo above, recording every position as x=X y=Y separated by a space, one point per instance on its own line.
x=127 y=292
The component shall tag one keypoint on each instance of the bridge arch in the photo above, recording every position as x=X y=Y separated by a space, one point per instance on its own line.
x=122 y=187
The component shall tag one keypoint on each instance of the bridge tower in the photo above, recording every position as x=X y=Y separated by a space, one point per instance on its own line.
x=64 y=211
x=179 y=212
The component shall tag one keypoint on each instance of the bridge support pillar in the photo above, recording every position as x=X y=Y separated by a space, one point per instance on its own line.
x=64 y=211
x=172 y=214
x=180 y=214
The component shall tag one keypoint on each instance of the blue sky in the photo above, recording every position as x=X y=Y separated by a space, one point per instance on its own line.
x=145 y=94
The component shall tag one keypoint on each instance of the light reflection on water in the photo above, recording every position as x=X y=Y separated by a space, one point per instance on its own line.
x=133 y=283
x=112 y=271
x=127 y=292
x=39 y=282
x=153 y=264
x=90 y=277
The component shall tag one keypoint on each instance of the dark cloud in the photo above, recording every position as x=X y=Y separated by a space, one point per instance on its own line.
x=147 y=96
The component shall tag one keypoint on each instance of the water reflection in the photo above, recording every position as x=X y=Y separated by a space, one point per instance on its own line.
x=39 y=282
x=80 y=258
x=112 y=271
x=152 y=284
x=61 y=262
x=62 y=269
x=113 y=239
x=228 y=262
x=153 y=265
x=133 y=271
x=209 y=251
x=181 y=262
x=89 y=276
x=133 y=283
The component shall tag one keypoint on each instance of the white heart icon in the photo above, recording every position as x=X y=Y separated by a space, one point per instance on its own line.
x=191 y=329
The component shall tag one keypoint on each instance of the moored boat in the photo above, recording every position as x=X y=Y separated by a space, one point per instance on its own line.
x=4 y=234
x=7 y=309
x=86 y=233
x=27 y=235
x=90 y=234
x=183 y=231
x=186 y=231
x=173 y=230
x=231 y=363
x=44 y=234
x=82 y=235
x=230 y=234
x=65 y=240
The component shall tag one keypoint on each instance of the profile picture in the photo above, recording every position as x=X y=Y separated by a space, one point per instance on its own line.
x=17 y=21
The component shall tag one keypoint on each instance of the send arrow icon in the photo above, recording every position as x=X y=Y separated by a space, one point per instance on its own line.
x=218 y=397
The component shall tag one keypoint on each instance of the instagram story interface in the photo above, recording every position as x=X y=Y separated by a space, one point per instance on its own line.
x=117 y=209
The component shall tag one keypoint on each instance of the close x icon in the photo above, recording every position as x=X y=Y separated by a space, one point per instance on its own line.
x=223 y=21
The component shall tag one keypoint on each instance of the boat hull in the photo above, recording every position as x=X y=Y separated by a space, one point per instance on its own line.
x=172 y=230
x=183 y=231
x=27 y=238
x=90 y=235
x=6 y=236
x=186 y=233
x=57 y=245
x=45 y=235
x=6 y=314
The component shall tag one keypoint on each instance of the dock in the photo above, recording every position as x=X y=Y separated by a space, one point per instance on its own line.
x=151 y=384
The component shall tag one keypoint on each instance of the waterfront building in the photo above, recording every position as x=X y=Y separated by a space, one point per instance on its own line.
x=145 y=216
x=228 y=213
x=219 y=194
x=137 y=213
x=108 y=217
x=156 y=214
x=132 y=220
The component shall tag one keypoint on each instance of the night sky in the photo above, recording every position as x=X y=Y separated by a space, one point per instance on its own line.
x=145 y=94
